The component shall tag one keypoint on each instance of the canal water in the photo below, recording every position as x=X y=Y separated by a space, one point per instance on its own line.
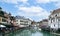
x=30 y=32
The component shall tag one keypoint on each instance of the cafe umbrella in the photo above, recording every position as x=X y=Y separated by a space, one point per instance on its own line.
x=2 y=27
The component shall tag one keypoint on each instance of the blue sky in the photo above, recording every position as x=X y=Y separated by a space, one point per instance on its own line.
x=34 y=9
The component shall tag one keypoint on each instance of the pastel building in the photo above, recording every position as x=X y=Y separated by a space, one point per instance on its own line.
x=22 y=21
x=4 y=17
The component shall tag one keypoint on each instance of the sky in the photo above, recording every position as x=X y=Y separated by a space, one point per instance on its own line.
x=34 y=9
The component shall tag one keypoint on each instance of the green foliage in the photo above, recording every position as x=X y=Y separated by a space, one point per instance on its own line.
x=1 y=13
x=0 y=8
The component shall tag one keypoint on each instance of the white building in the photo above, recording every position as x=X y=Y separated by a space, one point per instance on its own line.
x=54 y=19
x=22 y=21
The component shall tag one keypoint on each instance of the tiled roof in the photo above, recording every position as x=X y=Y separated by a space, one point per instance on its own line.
x=46 y=20
x=56 y=11
x=21 y=17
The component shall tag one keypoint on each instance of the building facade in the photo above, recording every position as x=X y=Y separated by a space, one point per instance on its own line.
x=22 y=21
x=54 y=19
x=44 y=25
x=44 y=22
x=4 y=17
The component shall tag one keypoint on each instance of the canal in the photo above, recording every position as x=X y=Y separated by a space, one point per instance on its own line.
x=30 y=32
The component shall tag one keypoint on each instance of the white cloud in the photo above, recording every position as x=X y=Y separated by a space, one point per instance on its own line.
x=30 y=9
x=14 y=1
x=42 y=1
x=57 y=4
x=54 y=0
x=33 y=11
x=24 y=1
x=46 y=1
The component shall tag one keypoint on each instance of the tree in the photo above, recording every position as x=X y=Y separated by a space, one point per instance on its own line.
x=33 y=22
x=1 y=12
x=12 y=18
x=0 y=8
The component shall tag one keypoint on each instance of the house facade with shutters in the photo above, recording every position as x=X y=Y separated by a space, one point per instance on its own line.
x=54 y=19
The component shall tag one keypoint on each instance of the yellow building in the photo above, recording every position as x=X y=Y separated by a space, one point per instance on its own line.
x=0 y=19
x=4 y=17
x=3 y=20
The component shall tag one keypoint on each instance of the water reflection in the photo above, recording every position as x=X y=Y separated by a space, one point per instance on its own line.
x=46 y=33
x=25 y=33
x=30 y=32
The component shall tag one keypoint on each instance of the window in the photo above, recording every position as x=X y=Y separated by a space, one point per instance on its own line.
x=21 y=21
x=26 y=22
x=56 y=15
x=58 y=19
x=54 y=25
x=52 y=20
x=49 y=18
x=0 y=19
x=59 y=14
x=3 y=20
x=16 y=20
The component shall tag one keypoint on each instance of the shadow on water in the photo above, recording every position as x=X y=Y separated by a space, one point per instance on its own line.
x=46 y=33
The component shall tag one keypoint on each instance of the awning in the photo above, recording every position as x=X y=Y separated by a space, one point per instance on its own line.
x=6 y=25
x=2 y=26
